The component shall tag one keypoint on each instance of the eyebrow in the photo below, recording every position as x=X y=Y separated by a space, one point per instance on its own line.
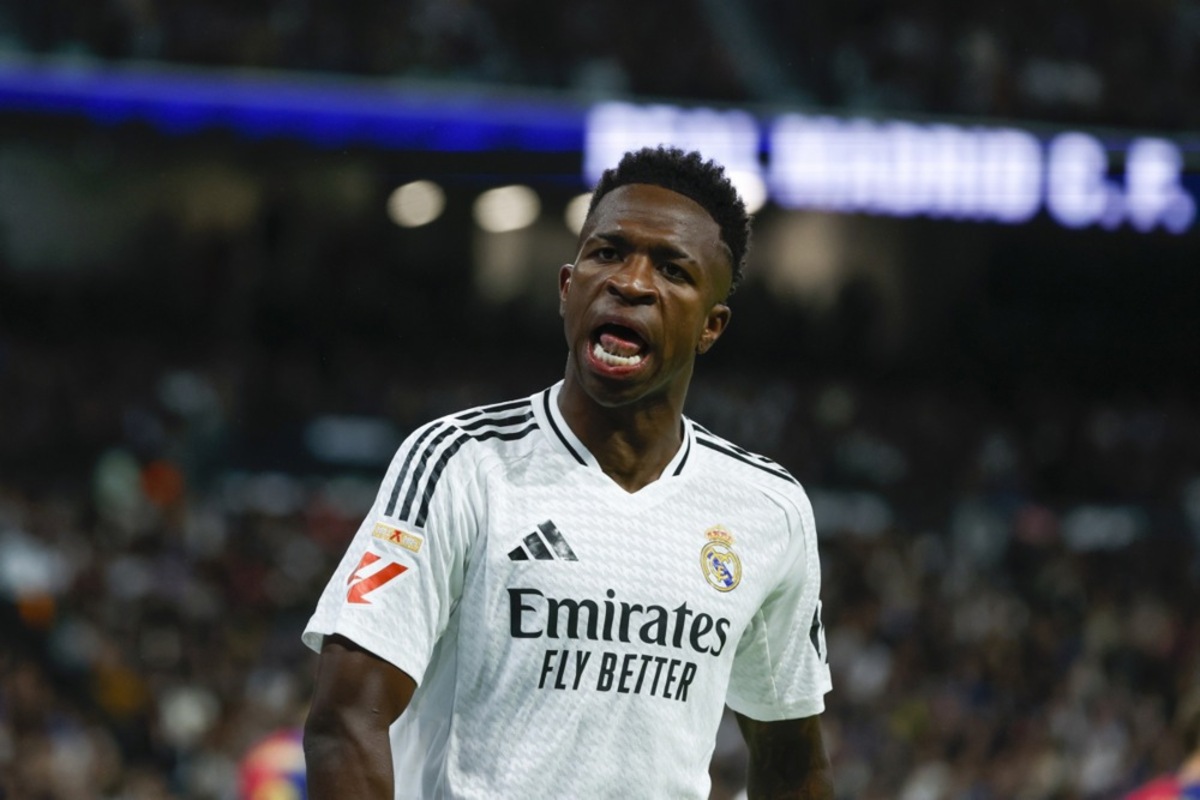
x=664 y=251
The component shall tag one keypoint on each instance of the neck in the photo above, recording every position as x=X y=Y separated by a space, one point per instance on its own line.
x=632 y=442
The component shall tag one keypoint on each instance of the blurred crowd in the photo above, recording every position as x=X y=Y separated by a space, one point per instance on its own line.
x=1010 y=582
x=1071 y=61
x=1079 y=62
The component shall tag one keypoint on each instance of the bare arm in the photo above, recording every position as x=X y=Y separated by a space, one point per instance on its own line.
x=787 y=760
x=346 y=749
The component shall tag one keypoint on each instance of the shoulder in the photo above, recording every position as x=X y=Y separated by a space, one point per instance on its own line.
x=755 y=476
x=741 y=465
x=433 y=454
x=498 y=423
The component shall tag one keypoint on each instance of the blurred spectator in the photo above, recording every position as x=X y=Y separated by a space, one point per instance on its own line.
x=1183 y=783
x=273 y=769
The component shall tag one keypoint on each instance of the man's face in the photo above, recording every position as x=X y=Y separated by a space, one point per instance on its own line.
x=645 y=294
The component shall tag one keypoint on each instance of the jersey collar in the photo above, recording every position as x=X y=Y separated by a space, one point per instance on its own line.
x=562 y=438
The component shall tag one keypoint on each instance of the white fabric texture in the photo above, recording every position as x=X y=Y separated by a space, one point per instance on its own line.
x=571 y=639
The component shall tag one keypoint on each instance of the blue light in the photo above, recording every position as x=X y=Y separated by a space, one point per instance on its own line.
x=319 y=110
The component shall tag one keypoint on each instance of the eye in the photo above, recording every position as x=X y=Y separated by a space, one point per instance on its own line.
x=606 y=253
x=675 y=272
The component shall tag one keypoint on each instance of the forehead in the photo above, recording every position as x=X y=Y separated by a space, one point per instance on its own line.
x=645 y=210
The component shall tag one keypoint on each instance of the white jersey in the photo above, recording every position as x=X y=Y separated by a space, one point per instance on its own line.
x=569 y=638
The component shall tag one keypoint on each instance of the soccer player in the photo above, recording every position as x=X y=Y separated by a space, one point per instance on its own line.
x=557 y=596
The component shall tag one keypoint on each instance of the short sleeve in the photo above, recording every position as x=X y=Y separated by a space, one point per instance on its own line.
x=402 y=575
x=781 y=669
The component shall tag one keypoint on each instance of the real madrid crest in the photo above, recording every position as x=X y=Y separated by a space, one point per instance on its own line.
x=722 y=567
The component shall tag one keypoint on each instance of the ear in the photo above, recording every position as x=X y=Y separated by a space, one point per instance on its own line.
x=564 y=284
x=715 y=324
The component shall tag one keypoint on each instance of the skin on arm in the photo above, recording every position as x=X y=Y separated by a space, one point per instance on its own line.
x=787 y=759
x=357 y=697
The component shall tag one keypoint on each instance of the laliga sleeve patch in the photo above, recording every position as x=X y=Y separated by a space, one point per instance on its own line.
x=393 y=535
x=369 y=576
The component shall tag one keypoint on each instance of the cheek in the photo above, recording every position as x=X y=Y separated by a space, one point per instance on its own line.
x=571 y=309
x=687 y=325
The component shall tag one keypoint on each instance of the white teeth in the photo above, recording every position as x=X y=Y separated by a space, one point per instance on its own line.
x=615 y=360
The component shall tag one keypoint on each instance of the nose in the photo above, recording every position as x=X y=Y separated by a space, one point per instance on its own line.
x=634 y=281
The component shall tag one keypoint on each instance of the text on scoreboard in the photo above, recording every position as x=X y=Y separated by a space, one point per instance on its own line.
x=902 y=168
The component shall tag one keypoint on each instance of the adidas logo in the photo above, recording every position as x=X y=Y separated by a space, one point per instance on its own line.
x=547 y=546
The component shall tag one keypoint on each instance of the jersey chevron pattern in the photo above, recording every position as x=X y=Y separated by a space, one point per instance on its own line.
x=569 y=638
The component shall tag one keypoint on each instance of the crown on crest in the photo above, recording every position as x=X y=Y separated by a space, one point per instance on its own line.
x=718 y=533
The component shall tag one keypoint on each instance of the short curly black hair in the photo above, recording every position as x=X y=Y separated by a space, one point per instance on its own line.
x=692 y=176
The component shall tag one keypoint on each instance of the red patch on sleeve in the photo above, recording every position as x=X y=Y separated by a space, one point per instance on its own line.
x=361 y=585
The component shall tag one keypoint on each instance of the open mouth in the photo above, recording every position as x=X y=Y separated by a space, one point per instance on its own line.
x=617 y=346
